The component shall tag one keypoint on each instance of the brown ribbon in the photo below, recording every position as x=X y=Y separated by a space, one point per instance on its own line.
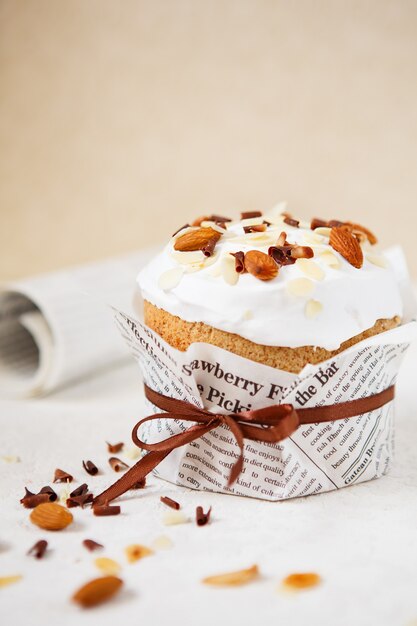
x=269 y=425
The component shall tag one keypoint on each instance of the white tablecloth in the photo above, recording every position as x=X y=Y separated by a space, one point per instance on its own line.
x=361 y=540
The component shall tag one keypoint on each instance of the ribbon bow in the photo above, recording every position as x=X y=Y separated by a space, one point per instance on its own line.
x=268 y=425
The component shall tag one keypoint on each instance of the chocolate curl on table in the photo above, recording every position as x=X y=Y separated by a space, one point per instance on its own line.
x=271 y=424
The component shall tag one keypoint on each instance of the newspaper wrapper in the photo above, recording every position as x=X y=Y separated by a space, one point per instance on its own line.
x=316 y=458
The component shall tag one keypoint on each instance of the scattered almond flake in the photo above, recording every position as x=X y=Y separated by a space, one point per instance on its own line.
x=248 y=315
x=188 y=258
x=10 y=459
x=196 y=267
x=107 y=566
x=241 y=577
x=162 y=543
x=133 y=453
x=9 y=580
x=228 y=270
x=252 y=221
x=376 y=259
x=329 y=259
x=297 y=582
x=172 y=518
x=323 y=230
x=300 y=287
x=310 y=269
x=213 y=225
x=275 y=215
x=314 y=238
x=135 y=552
x=170 y=279
x=216 y=271
x=313 y=308
x=64 y=495
x=260 y=239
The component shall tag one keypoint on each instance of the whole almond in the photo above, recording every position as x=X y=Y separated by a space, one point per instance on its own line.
x=260 y=265
x=347 y=245
x=51 y=516
x=196 y=239
x=97 y=591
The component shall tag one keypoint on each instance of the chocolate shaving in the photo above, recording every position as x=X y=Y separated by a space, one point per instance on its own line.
x=92 y=545
x=140 y=484
x=30 y=500
x=117 y=464
x=239 y=261
x=81 y=500
x=105 y=509
x=202 y=518
x=256 y=228
x=114 y=448
x=247 y=215
x=281 y=255
x=170 y=502
x=291 y=221
x=52 y=495
x=62 y=477
x=316 y=222
x=79 y=491
x=208 y=249
x=218 y=219
x=90 y=468
x=176 y=233
x=39 y=549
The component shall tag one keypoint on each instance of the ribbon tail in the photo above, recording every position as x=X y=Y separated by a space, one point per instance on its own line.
x=136 y=473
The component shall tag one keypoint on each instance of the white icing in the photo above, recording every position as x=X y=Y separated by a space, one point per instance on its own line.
x=351 y=299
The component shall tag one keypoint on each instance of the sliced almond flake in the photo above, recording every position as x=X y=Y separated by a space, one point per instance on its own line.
x=216 y=271
x=231 y=579
x=323 y=230
x=376 y=259
x=311 y=269
x=329 y=259
x=214 y=226
x=248 y=315
x=170 y=279
x=187 y=258
x=196 y=267
x=300 y=287
x=64 y=495
x=274 y=215
x=162 y=543
x=172 y=518
x=10 y=459
x=228 y=270
x=313 y=308
x=135 y=552
x=252 y=221
x=133 y=453
x=257 y=239
x=107 y=566
x=312 y=237
x=9 y=580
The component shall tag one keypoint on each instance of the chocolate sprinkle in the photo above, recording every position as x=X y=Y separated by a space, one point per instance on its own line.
x=114 y=448
x=105 y=509
x=62 y=477
x=117 y=464
x=170 y=502
x=291 y=221
x=52 y=495
x=90 y=468
x=316 y=222
x=202 y=518
x=92 y=545
x=81 y=500
x=79 y=491
x=239 y=261
x=247 y=215
x=208 y=249
x=281 y=255
x=39 y=549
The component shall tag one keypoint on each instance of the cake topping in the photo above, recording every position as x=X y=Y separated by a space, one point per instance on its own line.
x=344 y=242
x=245 y=215
x=239 y=261
x=196 y=239
x=260 y=265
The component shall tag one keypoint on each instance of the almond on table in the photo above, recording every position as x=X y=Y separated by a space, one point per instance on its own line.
x=51 y=516
x=299 y=581
x=97 y=591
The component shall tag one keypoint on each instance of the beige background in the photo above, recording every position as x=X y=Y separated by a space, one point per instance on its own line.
x=121 y=120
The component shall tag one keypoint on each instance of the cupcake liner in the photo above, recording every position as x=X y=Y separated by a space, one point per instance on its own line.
x=315 y=458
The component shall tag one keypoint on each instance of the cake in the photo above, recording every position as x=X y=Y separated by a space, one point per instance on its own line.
x=271 y=288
